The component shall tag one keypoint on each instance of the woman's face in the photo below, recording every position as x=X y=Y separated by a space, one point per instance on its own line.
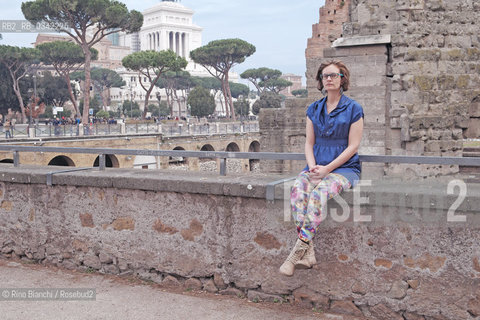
x=330 y=78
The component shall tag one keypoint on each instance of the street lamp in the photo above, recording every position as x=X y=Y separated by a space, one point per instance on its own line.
x=34 y=97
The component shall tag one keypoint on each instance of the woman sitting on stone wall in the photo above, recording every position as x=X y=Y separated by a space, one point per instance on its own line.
x=333 y=134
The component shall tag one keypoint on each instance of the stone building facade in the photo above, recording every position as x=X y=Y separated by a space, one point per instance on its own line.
x=414 y=68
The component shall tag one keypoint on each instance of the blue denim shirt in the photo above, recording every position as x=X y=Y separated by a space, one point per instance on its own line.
x=331 y=134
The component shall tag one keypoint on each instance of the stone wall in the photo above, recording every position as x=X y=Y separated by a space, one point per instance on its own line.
x=220 y=234
x=332 y=16
x=283 y=130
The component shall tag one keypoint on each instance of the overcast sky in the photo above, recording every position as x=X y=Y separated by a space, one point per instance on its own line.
x=279 y=29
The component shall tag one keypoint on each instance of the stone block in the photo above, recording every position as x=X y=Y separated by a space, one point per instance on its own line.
x=92 y=261
x=193 y=283
x=170 y=281
x=310 y=299
x=382 y=312
x=398 y=290
x=209 y=286
x=254 y=295
x=345 y=307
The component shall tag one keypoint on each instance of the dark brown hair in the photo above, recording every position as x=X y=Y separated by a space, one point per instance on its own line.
x=345 y=82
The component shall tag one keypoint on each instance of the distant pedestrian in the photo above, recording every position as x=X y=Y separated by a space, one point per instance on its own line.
x=12 y=125
x=7 y=126
x=334 y=127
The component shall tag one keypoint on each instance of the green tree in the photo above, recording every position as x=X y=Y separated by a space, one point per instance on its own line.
x=174 y=82
x=212 y=84
x=53 y=90
x=151 y=64
x=275 y=85
x=221 y=56
x=242 y=107
x=267 y=100
x=201 y=102
x=104 y=80
x=65 y=57
x=102 y=114
x=301 y=93
x=266 y=79
x=239 y=89
x=8 y=99
x=19 y=62
x=89 y=22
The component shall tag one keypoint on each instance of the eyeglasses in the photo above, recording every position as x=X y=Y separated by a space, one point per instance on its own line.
x=331 y=75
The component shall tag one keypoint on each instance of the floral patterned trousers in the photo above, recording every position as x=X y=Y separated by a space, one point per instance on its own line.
x=308 y=201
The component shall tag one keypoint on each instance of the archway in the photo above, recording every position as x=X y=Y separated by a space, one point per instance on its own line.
x=254 y=164
x=232 y=147
x=178 y=162
x=61 y=161
x=111 y=161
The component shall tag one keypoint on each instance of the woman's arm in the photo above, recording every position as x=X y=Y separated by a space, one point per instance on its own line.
x=309 y=143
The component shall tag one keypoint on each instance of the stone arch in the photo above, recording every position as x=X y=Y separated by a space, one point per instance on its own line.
x=253 y=164
x=232 y=147
x=111 y=161
x=206 y=147
x=6 y=161
x=61 y=161
x=178 y=161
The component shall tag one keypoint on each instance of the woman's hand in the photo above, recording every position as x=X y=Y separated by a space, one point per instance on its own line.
x=317 y=173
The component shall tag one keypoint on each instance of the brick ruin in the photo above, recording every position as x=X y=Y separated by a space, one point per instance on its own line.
x=415 y=70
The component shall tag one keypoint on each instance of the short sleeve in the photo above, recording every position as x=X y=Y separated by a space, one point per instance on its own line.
x=311 y=110
x=357 y=112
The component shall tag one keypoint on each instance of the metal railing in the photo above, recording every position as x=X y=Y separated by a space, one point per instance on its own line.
x=105 y=129
x=223 y=156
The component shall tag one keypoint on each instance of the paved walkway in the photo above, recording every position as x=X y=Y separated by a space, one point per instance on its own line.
x=122 y=298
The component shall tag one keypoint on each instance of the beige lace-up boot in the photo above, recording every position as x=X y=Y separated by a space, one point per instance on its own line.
x=297 y=253
x=308 y=259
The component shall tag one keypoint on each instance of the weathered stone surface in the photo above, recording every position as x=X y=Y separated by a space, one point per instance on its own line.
x=345 y=307
x=476 y=264
x=413 y=283
x=382 y=312
x=105 y=258
x=474 y=307
x=209 y=286
x=383 y=263
x=218 y=280
x=92 y=261
x=412 y=316
x=162 y=228
x=196 y=229
x=124 y=223
x=86 y=220
x=358 y=288
x=267 y=241
x=255 y=296
x=398 y=290
x=310 y=299
x=426 y=261
x=193 y=283
x=111 y=269
x=170 y=281
x=233 y=292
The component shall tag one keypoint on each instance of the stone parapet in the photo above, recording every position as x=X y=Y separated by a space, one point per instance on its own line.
x=220 y=234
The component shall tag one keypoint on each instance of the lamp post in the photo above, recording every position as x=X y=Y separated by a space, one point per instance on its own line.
x=34 y=97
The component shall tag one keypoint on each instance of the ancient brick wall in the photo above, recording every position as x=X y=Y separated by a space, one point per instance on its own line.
x=327 y=30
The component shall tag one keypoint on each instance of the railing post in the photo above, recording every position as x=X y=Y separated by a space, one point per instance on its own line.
x=223 y=166
x=16 y=158
x=101 y=162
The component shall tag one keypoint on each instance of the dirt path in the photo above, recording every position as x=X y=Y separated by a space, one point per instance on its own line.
x=128 y=298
